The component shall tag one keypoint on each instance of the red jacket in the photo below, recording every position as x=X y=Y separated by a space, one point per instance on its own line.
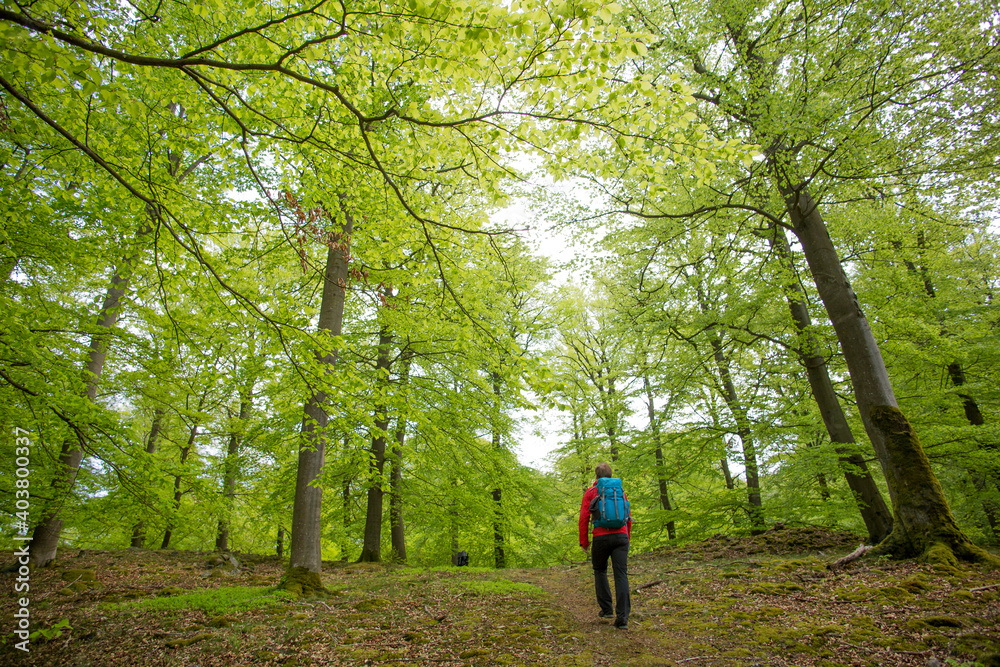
x=585 y=520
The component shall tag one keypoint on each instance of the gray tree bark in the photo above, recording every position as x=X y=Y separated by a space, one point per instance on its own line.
x=871 y=505
x=397 y=528
x=661 y=473
x=232 y=467
x=139 y=529
x=45 y=537
x=371 y=550
x=922 y=520
x=306 y=559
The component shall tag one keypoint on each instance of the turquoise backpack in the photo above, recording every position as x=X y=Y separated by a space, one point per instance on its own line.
x=609 y=509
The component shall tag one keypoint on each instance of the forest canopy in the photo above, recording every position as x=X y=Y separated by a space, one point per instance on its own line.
x=260 y=292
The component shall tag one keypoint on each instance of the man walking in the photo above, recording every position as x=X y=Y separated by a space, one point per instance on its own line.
x=607 y=504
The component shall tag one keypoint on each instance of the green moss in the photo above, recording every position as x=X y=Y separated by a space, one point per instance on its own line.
x=170 y=590
x=177 y=643
x=302 y=582
x=854 y=594
x=221 y=621
x=79 y=576
x=211 y=600
x=372 y=604
x=894 y=593
x=765 y=588
x=473 y=653
x=915 y=584
x=585 y=659
x=940 y=554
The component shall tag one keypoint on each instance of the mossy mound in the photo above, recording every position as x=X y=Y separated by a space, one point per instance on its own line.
x=779 y=540
x=303 y=582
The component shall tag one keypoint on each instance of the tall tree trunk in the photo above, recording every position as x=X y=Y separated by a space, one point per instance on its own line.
x=232 y=467
x=397 y=529
x=178 y=493
x=609 y=410
x=371 y=550
x=279 y=548
x=724 y=464
x=453 y=523
x=867 y=497
x=139 y=529
x=306 y=558
x=499 y=556
x=922 y=520
x=661 y=472
x=755 y=508
x=45 y=537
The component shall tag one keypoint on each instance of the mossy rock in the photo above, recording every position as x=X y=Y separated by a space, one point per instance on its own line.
x=79 y=576
x=415 y=637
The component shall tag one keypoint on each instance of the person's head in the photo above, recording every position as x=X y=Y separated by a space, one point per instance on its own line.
x=603 y=470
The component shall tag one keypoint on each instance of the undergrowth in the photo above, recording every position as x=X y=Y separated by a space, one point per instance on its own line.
x=211 y=600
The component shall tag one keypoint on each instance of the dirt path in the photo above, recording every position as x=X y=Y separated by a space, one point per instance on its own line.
x=571 y=592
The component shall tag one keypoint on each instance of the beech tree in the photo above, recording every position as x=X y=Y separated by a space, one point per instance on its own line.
x=781 y=83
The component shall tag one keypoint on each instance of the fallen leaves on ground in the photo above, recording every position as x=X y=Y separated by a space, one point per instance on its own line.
x=767 y=600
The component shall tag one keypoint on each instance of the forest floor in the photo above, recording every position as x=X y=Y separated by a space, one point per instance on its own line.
x=768 y=601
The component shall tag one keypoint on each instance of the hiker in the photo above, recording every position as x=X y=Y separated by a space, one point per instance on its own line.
x=606 y=503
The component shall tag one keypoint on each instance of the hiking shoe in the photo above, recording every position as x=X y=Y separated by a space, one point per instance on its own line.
x=620 y=624
x=606 y=614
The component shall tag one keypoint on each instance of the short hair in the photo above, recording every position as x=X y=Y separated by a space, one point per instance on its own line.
x=603 y=470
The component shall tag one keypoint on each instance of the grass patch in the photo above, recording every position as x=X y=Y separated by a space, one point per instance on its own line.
x=500 y=587
x=212 y=600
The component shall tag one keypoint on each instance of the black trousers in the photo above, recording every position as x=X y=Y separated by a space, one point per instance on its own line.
x=615 y=547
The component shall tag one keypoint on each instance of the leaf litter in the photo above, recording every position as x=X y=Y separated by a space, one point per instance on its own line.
x=768 y=600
